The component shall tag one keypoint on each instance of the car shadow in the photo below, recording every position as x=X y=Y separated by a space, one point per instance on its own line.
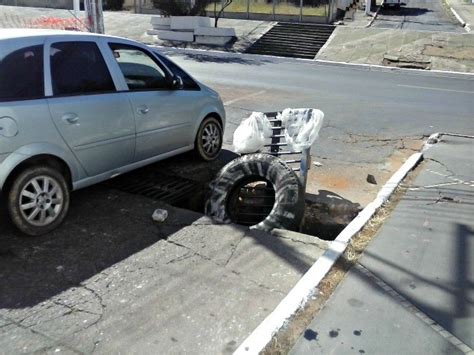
x=206 y=58
x=105 y=226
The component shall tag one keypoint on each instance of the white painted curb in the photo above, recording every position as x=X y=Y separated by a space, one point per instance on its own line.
x=384 y=68
x=459 y=18
x=306 y=286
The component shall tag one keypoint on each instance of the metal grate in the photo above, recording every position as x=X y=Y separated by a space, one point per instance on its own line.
x=249 y=204
x=298 y=161
x=167 y=188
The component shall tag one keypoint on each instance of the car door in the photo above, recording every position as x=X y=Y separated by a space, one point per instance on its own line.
x=95 y=120
x=164 y=116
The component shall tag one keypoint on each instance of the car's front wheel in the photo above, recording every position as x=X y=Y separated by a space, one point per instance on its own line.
x=38 y=200
x=209 y=138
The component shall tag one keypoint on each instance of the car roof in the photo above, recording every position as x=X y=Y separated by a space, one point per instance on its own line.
x=11 y=33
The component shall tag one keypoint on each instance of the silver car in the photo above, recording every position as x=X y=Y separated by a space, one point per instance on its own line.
x=79 y=108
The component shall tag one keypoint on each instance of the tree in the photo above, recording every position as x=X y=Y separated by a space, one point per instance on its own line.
x=217 y=15
x=181 y=8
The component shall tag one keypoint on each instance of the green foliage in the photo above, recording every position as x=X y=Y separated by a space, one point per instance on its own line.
x=181 y=8
x=114 y=4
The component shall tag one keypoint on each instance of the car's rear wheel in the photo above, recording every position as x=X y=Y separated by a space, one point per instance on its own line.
x=208 y=142
x=38 y=200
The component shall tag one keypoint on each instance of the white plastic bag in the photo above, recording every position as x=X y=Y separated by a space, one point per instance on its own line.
x=250 y=136
x=302 y=126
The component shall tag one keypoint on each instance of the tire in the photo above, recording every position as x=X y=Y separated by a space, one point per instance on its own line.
x=288 y=209
x=209 y=138
x=44 y=193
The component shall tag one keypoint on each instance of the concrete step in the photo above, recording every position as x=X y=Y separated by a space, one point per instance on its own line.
x=306 y=28
x=293 y=36
x=290 y=41
x=301 y=32
x=293 y=40
x=287 y=48
x=284 y=54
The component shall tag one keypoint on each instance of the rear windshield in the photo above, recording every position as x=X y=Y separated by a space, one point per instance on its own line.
x=21 y=73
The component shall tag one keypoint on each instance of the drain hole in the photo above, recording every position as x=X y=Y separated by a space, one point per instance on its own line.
x=327 y=214
x=251 y=201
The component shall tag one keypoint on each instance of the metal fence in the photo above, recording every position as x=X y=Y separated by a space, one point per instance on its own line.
x=35 y=18
x=317 y=11
x=275 y=10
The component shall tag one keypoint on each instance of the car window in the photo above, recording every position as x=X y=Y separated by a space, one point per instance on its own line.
x=188 y=82
x=21 y=73
x=141 y=72
x=78 y=68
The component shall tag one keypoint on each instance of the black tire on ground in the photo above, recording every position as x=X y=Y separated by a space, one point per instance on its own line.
x=208 y=142
x=50 y=199
x=288 y=209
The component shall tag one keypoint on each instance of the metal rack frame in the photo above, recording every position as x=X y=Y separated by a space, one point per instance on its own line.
x=277 y=142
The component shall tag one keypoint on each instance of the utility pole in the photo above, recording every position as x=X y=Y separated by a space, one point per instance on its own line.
x=94 y=15
x=367 y=6
x=76 y=7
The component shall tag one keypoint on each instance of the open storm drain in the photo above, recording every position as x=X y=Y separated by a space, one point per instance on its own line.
x=167 y=188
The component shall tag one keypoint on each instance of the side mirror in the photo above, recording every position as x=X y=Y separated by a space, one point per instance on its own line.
x=177 y=82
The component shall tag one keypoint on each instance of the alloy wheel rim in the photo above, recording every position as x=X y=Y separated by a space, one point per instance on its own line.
x=41 y=201
x=211 y=139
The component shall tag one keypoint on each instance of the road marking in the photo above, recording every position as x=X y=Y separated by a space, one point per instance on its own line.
x=230 y=102
x=436 y=89
x=405 y=303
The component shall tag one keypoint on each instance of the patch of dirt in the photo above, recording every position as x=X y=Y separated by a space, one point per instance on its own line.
x=461 y=53
x=349 y=181
x=406 y=62
x=285 y=339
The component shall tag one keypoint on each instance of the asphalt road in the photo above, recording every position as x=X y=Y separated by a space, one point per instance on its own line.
x=418 y=15
x=363 y=109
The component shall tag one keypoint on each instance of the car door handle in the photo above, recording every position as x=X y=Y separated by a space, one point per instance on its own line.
x=70 y=118
x=143 y=110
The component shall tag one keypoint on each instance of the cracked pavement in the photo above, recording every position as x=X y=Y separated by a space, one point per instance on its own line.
x=112 y=280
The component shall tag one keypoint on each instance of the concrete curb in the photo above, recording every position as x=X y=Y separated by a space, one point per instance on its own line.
x=459 y=18
x=306 y=286
x=383 y=68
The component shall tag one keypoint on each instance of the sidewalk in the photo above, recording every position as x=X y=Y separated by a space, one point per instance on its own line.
x=412 y=291
x=133 y=26
x=409 y=49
